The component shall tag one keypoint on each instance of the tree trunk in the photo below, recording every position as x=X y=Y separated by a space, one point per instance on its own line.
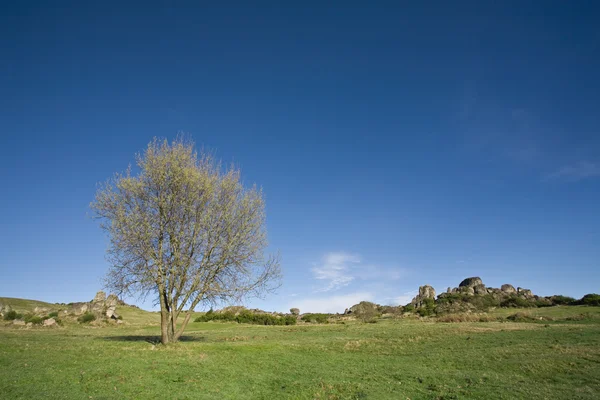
x=165 y=335
x=178 y=333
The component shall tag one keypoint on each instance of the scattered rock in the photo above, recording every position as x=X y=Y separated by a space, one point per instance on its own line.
x=41 y=310
x=50 y=322
x=18 y=322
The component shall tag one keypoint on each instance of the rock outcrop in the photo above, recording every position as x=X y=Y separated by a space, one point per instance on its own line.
x=425 y=292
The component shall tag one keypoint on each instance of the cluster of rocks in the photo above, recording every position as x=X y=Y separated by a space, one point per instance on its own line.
x=101 y=304
x=474 y=286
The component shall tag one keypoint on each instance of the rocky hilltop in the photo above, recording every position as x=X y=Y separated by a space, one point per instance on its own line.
x=472 y=294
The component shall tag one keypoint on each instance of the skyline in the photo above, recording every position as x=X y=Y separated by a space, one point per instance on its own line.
x=396 y=146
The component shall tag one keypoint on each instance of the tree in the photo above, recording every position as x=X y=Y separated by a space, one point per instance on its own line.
x=185 y=230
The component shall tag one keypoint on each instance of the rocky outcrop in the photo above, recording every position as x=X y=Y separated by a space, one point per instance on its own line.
x=49 y=322
x=425 y=292
x=471 y=282
x=100 y=297
x=525 y=293
x=508 y=289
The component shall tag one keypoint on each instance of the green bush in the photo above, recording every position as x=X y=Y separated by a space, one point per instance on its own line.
x=316 y=318
x=409 y=308
x=427 y=308
x=34 y=319
x=248 y=317
x=86 y=318
x=516 y=301
x=591 y=299
x=53 y=314
x=12 y=315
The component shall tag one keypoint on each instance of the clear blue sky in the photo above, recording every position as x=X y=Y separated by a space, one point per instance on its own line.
x=397 y=145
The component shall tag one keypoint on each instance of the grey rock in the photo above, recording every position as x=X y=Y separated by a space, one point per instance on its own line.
x=112 y=300
x=425 y=292
x=508 y=289
x=18 y=322
x=471 y=282
x=100 y=297
x=50 y=322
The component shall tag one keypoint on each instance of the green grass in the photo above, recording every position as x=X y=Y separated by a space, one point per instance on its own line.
x=392 y=359
x=24 y=305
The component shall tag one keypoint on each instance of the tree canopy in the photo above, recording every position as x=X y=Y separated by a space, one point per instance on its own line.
x=185 y=230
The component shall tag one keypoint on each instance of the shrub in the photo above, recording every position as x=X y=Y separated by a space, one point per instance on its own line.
x=295 y=311
x=34 y=319
x=591 y=299
x=520 y=317
x=409 y=308
x=316 y=318
x=248 y=317
x=516 y=301
x=86 y=318
x=427 y=308
x=12 y=315
x=53 y=314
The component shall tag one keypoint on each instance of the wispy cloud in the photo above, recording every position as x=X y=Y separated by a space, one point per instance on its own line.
x=404 y=298
x=335 y=270
x=331 y=304
x=340 y=269
x=576 y=172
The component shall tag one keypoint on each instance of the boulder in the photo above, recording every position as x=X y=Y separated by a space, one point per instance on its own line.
x=425 y=292
x=112 y=300
x=111 y=313
x=50 y=322
x=525 y=293
x=18 y=322
x=479 y=289
x=41 y=310
x=84 y=308
x=471 y=282
x=100 y=297
x=508 y=289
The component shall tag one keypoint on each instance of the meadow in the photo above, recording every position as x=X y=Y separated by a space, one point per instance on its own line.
x=553 y=354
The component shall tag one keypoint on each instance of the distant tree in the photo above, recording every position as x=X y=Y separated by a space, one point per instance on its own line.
x=185 y=230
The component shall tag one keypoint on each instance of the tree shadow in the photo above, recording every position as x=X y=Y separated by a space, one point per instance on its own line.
x=150 y=339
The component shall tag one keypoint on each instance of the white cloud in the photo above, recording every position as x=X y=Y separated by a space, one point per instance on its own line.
x=576 y=172
x=331 y=304
x=339 y=269
x=404 y=298
x=335 y=270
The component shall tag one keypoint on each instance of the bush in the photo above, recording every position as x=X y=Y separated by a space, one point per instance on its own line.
x=409 y=308
x=12 y=315
x=591 y=299
x=86 y=318
x=53 y=314
x=248 y=317
x=316 y=318
x=520 y=317
x=516 y=301
x=427 y=308
x=34 y=319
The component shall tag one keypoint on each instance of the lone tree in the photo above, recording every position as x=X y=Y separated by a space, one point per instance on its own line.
x=186 y=230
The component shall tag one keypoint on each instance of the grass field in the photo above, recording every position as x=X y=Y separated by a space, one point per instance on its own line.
x=392 y=359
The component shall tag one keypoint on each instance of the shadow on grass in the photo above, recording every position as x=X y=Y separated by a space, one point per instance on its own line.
x=150 y=339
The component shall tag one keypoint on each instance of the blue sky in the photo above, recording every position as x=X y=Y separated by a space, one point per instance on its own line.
x=397 y=145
